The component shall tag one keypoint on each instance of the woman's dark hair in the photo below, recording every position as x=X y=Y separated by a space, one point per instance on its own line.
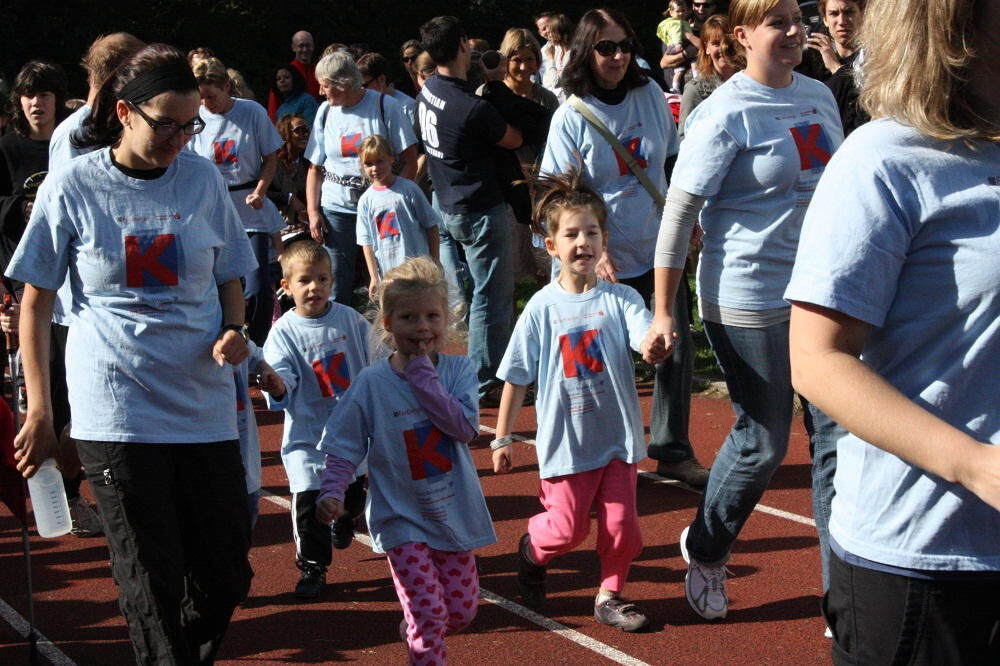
x=578 y=76
x=410 y=44
x=298 y=82
x=102 y=127
x=284 y=128
x=39 y=76
x=561 y=27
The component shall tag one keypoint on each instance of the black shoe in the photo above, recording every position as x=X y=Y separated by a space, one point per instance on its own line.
x=312 y=581
x=688 y=471
x=530 y=576
x=343 y=532
x=621 y=614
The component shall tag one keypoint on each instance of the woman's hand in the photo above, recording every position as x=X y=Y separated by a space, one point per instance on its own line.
x=606 y=268
x=502 y=462
x=270 y=381
x=230 y=348
x=9 y=317
x=34 y=444
x=317 y=226
x=658 y=344
x=328 y=510
x=255 y=201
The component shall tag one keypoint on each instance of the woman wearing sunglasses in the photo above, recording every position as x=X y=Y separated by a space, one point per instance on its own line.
x=603 y=74
x=154 y=253
x=751 y=156
x=288 y=189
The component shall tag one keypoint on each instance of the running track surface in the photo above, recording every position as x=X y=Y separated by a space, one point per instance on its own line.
x=774 y=592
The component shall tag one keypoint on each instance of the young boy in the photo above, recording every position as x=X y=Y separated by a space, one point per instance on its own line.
x=395 y=220
x=316 y=348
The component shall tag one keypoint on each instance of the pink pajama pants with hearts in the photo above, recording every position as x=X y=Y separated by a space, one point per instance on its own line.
x=439 y=592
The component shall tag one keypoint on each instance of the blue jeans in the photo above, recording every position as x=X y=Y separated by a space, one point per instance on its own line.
x=483 y=235
x=341 y=242
x=758 y=375
x=456 y=271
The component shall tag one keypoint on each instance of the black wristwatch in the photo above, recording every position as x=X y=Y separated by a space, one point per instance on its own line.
x=238 y=328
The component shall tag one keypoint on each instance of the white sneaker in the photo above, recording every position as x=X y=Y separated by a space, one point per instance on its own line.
x=85 y=521
x=827 y=633
x=704 y=586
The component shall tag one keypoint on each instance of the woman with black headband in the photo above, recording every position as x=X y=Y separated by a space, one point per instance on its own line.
x=154 y=251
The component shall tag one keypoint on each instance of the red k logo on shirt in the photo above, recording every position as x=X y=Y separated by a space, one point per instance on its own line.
x=350 y=144
x=634 y=148
x=151 y=260
x=581 y=353
x=813 y=145
x=332 y=374
x=225 y=151
x=428 y=451
x=387 y=224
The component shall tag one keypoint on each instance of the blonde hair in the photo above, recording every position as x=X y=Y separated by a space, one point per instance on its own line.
x=555 y=194
x=413 y=276
x=920 y=76
x=674 y=4
x=306 y=252
x=375 y=145
x=749 y=14
x=211 y=71
x=518 y=38
x=715 y=27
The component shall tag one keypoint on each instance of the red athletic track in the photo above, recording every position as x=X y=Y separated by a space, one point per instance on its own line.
x=775 y=591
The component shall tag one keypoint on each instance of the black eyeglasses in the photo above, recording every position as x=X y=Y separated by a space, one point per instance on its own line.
x=607 y=48
x=301 y=130
x=702 y=4
x=409 y=59
x=167 y=129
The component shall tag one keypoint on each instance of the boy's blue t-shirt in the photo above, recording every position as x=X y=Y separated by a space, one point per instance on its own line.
x=336 y=139
x=145 y=259
x=575 y=347
x=317 y=358
x=236 y=142
x=643 y=125
x=756 y=154
x=393 y=221
x=423 y=487
x=903 y=233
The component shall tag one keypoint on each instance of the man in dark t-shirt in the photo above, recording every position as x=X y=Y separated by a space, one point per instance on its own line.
x=459 y=129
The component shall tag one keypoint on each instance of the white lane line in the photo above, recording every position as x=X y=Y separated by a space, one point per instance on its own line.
x=613 y=654
x=652 y=476
x=45 y=646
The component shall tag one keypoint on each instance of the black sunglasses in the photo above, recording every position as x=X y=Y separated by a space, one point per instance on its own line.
x=300 y=130
x=607 y=48
x=168 y=129
x=409 y=59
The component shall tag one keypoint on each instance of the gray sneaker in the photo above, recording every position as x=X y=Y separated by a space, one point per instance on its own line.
x=621 y=614
x=704 y=586
x=84 y=520
x=688 y=471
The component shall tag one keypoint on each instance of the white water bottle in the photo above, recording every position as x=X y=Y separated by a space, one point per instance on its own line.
x=48 y=500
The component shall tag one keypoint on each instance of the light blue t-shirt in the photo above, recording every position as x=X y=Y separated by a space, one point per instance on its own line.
x=756 y=153
x=61 y=151
x=302 y=104
x=317 y=358
x=236 y=142
x=408 y=103
x=576 y=348
x=246 y=422
x=423 y=487
x=904 y=233
x=336 y=138
x=643 y=125
x=145 y=259
x=393 y=221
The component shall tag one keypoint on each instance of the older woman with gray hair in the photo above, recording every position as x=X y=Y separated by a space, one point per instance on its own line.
x=335 y=181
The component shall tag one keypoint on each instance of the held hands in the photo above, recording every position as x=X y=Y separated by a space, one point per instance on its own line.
x=9 y=316
x=230 y=347
x=658 y=344
x=328 y=510
x=255 y=201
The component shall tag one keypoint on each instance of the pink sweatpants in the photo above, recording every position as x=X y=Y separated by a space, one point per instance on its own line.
x=439 y=592
x=566 y=519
